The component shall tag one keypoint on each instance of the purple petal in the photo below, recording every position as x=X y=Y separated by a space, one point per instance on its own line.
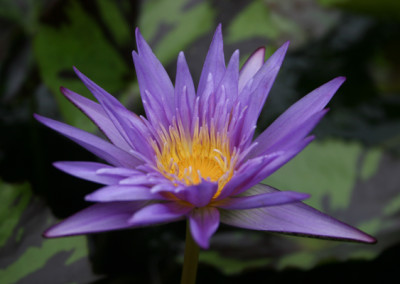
x=241 y=179
x=155 y=106
x=92 y=143
x=214 y=63
x=129 y=125
x=185 y=93
x=230 y=79
x=268 y=169
x=261 y=200
x=159 y=79
x=159 y=213
x=199 y=195
x=251 y=67
x=96 y=218
x=297 y=114
x=88 y=171
x=257 y=169
x=113 y=171
x=97 y=114
x=155 y=85
x=256 y=91
x=287 y=137
x=204 y=223
x=145 y=179
x=123 y=193
x=296 y=218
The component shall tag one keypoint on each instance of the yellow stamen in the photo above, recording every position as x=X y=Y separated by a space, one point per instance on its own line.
x=205 y=155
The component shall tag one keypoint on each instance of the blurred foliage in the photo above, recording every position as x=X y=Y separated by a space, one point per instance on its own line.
x=81 y=43
x=170 y=26
x=351 y=170
x=385 y=9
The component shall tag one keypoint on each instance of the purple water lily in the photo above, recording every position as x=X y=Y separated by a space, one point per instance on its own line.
x=194 y=155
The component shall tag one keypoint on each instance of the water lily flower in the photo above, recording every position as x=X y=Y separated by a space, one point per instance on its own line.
x=194 y=155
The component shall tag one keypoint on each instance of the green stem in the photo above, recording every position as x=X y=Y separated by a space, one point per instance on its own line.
x=191 y=258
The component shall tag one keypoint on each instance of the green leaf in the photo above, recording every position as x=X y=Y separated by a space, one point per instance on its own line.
x=180 y=25
x=323 y=169
x=256 y=20
x=14 y=199
x=80 y=43
x=36 y=257
x=115 y=21
x=23 y=219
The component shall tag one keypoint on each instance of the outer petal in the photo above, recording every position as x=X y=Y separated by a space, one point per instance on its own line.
x=92 y=143
x=157 y=104
x=203 y=224
x=273 y=166
x=183 y=81
x=199 y=195
x=255 y=92
x=159 y=213
x=128 y=124
x=214 y=63
x=96 y=218
x=251 y=67
x=97 y=114
x=295 y=218
x=88 y=171
x=289 y=136
x=261 y=200
x=159 y=82
x=123 y=193
x=296 y=115
x=229 y=82
x=245 y=174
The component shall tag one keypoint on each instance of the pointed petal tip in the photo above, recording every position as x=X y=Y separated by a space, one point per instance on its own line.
x=260 y=49
x=137 y=33
x=79 y=73
x=67 y=93
x=54 y=232
x=58 y=165
x=203 y=244
x=140 y=43
x=259 y=52
x=369 y=239
x=218 y=31
x=204 y=222
x=284 y=47
x=47 y=234
x=339 y=80
x=181 y=57
x=299 y=195
x=42 y=119
x=37 y=116
x=91 y=198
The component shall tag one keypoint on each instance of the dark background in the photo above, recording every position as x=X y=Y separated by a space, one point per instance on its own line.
x=351 y=170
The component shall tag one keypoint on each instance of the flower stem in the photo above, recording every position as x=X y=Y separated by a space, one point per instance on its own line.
x=191 y=258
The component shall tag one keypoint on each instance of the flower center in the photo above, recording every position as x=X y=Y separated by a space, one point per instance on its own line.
x=189 y=159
